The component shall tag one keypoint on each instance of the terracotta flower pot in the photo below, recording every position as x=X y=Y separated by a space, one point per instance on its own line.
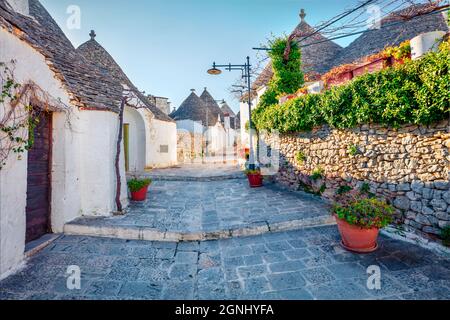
x=357 y=239
x=255 y=180
x=140 y=195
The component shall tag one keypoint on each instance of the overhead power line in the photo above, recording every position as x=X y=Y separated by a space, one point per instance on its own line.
x=365 y=31
x=339 y=18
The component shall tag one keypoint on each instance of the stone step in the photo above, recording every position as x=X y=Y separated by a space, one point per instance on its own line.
x=195 y=179
x=124 y=232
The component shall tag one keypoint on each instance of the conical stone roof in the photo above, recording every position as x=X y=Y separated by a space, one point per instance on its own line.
x=317 y=58
x=212 y=105
x=193 y=108
x=392 y=34
x=227 y=110
x=87 y=85
x=98 y=55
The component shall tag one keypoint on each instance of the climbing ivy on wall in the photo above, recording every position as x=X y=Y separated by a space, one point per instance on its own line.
x=21 y=105
x=287 y=75
x=416 y=92
x=14 y=121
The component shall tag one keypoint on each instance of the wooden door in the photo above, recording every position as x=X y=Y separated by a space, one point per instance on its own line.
x=39 y=180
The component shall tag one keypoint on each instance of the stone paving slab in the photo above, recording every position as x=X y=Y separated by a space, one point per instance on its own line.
x=195 y=211
x=298 y=265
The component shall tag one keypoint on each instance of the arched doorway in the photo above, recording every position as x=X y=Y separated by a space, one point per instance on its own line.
x=134 y=140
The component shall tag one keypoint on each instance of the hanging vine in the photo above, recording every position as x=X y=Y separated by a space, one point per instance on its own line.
x=20 y=109
x=131 y=98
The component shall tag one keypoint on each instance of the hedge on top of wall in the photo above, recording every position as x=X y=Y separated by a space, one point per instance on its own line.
x=416 y=92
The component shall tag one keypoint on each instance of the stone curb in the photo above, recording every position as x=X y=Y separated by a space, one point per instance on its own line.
x=196 y=179
x=413 y=238
x=149 y=234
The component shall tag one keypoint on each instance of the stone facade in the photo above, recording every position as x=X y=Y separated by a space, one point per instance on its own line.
x=408 y=166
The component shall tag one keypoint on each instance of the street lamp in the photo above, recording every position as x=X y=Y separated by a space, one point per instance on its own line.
x=214 y=71
x=246 y=74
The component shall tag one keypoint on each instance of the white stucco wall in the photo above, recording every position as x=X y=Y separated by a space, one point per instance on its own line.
x=159 y=133
x=83 y=175
x=216 y=138
x=99 y=130
x=30 y=65
x=137 y=139
x=66 y=168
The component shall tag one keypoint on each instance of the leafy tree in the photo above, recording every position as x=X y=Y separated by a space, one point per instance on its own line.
x=287 y=75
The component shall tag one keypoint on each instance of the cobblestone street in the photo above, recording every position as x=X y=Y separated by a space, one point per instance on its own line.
x=305 y=264
x=199 y=210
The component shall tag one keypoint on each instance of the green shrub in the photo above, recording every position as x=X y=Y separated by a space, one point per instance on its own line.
x=343 y=190
x=365 y=190
x=366 y=213
x=137 y=184
x=353 y=150
x=416 y=92
x=446 y=236
x=248 y=172
x=300 y=157
x=317 y=174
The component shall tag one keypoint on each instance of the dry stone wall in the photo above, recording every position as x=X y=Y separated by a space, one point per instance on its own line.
x=408 y=166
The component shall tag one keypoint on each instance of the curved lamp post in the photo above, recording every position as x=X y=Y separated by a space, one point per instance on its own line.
x=246 y=74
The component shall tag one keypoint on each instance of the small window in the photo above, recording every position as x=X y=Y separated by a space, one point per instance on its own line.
x=164 y=149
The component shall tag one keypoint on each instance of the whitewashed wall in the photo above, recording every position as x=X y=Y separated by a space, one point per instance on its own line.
x=84 y=146
x=216 y=137
x=159 y=133
x=99 y=130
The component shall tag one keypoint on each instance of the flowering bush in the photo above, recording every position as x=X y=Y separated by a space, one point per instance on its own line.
x=403 y=51
x=366 y=213
x=413 y=93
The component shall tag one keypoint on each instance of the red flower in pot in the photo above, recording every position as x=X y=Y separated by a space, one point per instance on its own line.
x=139 y=188
x=359 y=223
x=255 y=178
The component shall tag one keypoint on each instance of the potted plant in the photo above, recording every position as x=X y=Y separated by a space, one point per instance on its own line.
x=359 y=221
x=139 y=188
x=255 y=179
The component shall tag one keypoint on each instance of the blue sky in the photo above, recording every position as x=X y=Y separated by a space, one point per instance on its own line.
x=166 y=46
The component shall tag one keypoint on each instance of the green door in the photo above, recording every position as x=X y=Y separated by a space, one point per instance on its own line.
x=126 y=141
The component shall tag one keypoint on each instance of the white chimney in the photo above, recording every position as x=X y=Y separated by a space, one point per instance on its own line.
x=425 y=43
x=20 y=6
x=227 y=121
